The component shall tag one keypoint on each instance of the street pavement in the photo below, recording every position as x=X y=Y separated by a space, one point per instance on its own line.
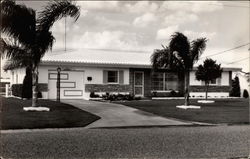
x=168 y=142
x=117 y=115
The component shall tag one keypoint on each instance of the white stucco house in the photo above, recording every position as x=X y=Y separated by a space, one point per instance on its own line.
x=100 y=71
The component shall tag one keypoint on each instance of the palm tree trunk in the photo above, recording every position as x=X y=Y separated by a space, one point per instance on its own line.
x=186 y=87
x=34 y=85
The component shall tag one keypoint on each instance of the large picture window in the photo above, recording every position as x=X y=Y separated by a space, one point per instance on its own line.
x=163 y=81
x=112 y=76
x=157 y=81
x=171 y=81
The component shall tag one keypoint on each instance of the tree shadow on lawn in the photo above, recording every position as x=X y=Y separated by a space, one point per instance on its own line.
x=60 y=115
x=223 y=111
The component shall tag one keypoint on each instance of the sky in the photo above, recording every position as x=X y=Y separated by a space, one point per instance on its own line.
x=147 y=25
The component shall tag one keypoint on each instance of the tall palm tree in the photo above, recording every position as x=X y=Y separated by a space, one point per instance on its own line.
x=29 y=36
x=180 y=56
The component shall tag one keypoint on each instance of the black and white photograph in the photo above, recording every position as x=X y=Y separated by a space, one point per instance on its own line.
x=124 y=79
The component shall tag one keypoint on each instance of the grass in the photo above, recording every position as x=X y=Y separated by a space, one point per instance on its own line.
x=230 y=111
x=60 y=115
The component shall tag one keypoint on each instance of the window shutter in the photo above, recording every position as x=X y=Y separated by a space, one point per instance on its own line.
x=105 y=76
x=219 y=81
x=121 y=77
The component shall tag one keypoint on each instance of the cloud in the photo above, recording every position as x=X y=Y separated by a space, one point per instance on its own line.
x=180 y=18
x=194 y=35
x=99 y=5
x=108 y=22
x=165 y=33
x=192 y=6
x=141 y=7
x=144 y=20
x=106 y=40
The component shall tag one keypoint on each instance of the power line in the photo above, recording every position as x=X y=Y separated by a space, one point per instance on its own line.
x=225 y=5
x=221 y=52
x=239 y=60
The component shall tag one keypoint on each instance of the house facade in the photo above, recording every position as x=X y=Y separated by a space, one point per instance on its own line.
x=107 y=71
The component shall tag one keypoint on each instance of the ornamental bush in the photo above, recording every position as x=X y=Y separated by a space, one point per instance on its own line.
x=235 y=91
x=245 y=93
x=17 y=90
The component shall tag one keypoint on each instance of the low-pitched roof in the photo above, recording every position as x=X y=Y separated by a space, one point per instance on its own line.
x=99 y=57
x=105 y=57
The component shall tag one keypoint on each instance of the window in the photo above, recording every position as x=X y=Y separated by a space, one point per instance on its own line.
x=216 y=81
x=171 y=81
x=157 y=81
x=162 y=81
x=112 y=76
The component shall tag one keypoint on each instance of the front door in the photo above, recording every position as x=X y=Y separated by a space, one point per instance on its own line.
x=139 y=83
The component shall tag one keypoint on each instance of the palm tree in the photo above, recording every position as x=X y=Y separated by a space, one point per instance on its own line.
x=179 y=56
x=29 y=35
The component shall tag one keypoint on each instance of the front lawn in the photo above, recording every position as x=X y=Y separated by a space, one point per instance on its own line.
x=230 y=111
x=60 y=115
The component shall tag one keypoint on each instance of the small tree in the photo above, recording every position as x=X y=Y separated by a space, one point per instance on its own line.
x=207 y=72
x=245 y=93
x=235 y=92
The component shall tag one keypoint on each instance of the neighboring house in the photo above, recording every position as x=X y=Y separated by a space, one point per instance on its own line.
x=102 y=71
x=4 y=78
x=244 y=81
x=4 y=83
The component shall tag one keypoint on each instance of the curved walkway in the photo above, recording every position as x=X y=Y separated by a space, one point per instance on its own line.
x=117 y=115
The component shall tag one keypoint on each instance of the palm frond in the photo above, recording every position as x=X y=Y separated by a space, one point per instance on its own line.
x=44 y=42
x=19 y=61
x=18 y=21
x=197 y=48
x=180 y=43
x=160 y=58
x=11 y=50
x=54 y=11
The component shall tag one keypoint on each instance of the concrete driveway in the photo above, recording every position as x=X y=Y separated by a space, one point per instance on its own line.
x=117 y=115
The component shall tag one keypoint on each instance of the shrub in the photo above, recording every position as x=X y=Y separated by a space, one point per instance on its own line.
x=154 y=94
x=113 y=97
x=93 y=95
x=17 y=90
x=120 y=97
x=173 y=94
x=39 y=95
x=129 y=97
x=235 y=91
x=245 y=93
x=137 y=98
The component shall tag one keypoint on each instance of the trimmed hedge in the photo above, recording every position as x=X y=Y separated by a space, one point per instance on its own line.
x=17 y=90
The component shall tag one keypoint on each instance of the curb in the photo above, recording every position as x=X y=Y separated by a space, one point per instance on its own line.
x=108 y=127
